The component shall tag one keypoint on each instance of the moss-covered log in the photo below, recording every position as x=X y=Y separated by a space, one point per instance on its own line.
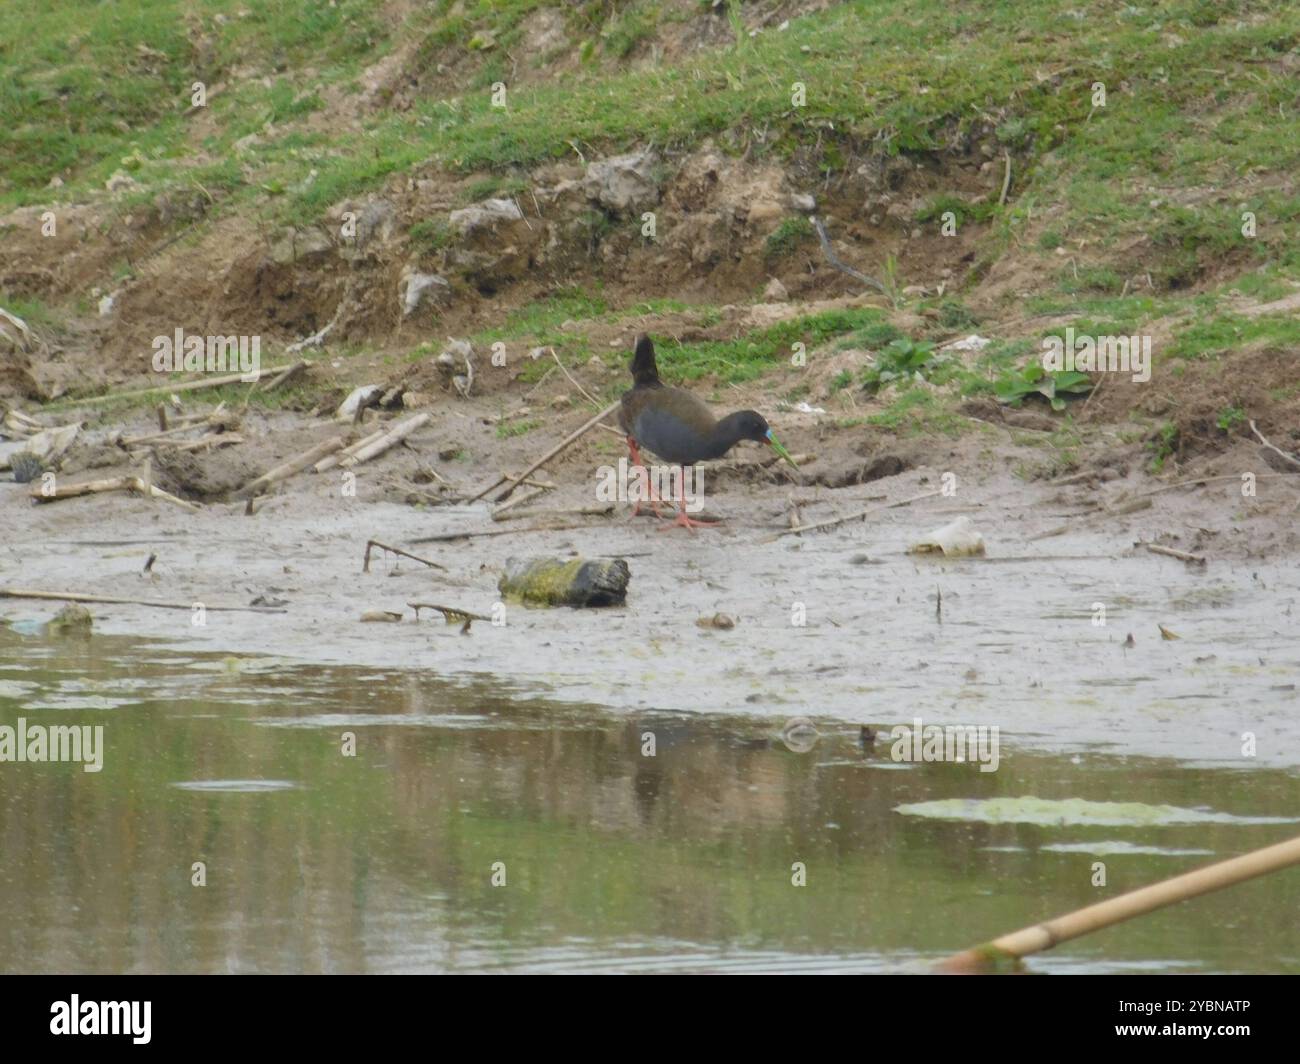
x=577 y=582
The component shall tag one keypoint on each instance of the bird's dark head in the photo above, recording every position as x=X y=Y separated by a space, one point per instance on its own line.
x=751 y=425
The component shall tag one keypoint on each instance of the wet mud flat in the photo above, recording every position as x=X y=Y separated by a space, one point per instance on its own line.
x=844 y=624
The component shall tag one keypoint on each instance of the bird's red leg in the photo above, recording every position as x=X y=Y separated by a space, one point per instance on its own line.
x=684 y=521
x=636 y=462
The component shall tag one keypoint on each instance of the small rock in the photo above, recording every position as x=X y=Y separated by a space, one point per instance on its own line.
x=359 y=398
x=486 y=215
x=459 y=349
x=415 y=286
x=622 y=182
x=775 y=292
x=718 y=620
x=801 y=201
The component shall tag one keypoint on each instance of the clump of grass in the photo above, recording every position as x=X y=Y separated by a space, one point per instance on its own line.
x=747 y=357
x=509 y=429
x=786 y=237
x=431 y=235
x=961 y=210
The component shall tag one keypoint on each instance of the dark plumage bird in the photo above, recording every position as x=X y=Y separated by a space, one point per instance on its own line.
x=678 y=425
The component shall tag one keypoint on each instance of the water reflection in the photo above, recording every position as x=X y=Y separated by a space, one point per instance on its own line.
x=613 y=861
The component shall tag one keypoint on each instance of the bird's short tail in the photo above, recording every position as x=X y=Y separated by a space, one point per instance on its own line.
x=644 y=370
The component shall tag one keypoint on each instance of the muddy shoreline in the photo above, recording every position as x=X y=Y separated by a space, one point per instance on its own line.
x=1007 y=640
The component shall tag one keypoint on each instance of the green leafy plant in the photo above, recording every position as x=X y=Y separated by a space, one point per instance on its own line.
x=902 y=360
x=1164 y=445
x=1230 y=417
x=1035 y=380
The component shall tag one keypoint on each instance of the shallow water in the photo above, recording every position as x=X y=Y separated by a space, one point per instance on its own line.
x=613 y=861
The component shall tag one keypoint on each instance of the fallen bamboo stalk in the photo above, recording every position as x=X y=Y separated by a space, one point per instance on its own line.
x=204 y=443
x=178 y=386
x=199 y=443
x=388 y=439
x=491 y=487
x=114 y=600
x=447 y=537
x=289 y=468
x=515 y=481
x=1128 y=506
x=1170 y=552
x=510 y=504
x=1208 y=480
x=213 y=441
x=573 y=380
x=95 y=487
x=1018 y=944
x=330 y=461
x=175 y=430
x=1276 y=450
x=282 y=376
x=365 y=562
x=577 y=511
x=852 y=517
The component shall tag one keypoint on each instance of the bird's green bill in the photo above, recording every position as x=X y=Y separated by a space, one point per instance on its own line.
x=776 y=446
